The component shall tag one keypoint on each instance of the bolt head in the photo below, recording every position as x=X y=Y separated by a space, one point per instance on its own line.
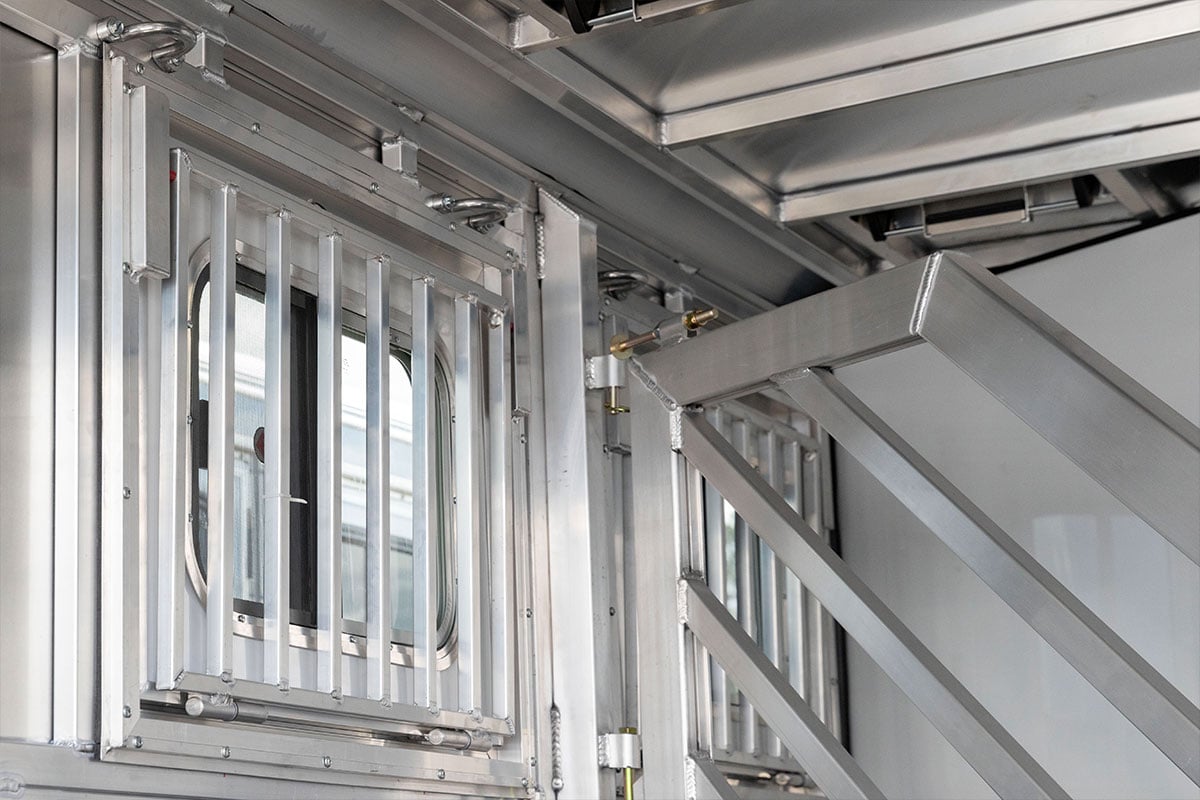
x=225 y=751
x=139 y=68
x=374 y=187
x=327 y=762
x=126 y=712
x=256 y=128
x=441 y=774
x=137 y=743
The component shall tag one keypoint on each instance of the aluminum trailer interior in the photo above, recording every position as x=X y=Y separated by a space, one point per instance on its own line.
x=593 y=398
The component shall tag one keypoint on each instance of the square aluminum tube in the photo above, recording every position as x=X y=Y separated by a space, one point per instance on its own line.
x=221 y=389
x=426 y=517
x=968 y=727
x=1129 y=682
x=499 y=522
x=379 y=478
x=149 y=184
x=277 y=536
x=746 y=583
x=329 y=465
x=467 y=463
x=175 y=456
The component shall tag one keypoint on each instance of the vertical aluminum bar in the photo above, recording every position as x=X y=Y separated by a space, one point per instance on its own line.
x=119 y=650
x=174 y=465
x=769 y=465
x=968 y=727
x=1147 y=699
x=500 y=518
x=379 y=479
x=76 y=412
x=835 y=771
x=696 y=554
x=793 y=610
x=222 y=288
x=663 y=651
x=466 y=502
x=714 y=520
x=277 y=506
x=425 y=505
x=825 y=515
x=1132 y=443
x=816 y=642
x=746 y=558
x=329 y=465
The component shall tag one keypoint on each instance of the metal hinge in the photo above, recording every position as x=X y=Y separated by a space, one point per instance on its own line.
x=619 y=750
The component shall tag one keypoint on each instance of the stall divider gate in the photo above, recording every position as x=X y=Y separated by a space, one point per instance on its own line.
x=1142 y=451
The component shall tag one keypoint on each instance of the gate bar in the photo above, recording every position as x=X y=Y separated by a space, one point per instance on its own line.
x=175 y=460
x=466 y=502
x=277 y=537
x=1132 y=443
x=223 y=292
x=1149 y=701
x=500 y=518
x=806 y=737
x=379 y=480
x=968 y=727
x=425 y=506
x=745 y=562
x=329 y=465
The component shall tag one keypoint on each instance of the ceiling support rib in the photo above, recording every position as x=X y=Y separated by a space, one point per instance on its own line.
x=985 y=60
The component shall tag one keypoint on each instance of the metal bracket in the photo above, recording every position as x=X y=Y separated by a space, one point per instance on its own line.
x=400 y=154
x=208 y=56
x=601 y=372
x=619 y=750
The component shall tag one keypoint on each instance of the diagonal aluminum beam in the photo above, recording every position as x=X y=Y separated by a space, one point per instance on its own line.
x=710 y=783
x=984 y=60
x=968 y=727
x=1141 y=450
x=1136 y=689
x=822 y=755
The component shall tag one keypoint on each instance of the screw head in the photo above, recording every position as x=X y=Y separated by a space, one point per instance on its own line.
x=809 y=455
x=126 y=492
x=374 y=187
x=441 y=774
x=525 y=782
x=225 y=751
x=137 y=743
x=126 y=712
x=256 y=128
x=327 y=762
x=496 y=319
x=529 y=613
x=139 y=68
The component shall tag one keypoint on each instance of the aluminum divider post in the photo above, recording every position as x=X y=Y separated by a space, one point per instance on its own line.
x=221 y=389
x=425 y=505
x=379 y=478
x=467 y=464
x=500 y=539
x=664 y=661
x=714 y=521
x=329 y=465
x=769 y=583
x=746 y=562
x=175 y=457
x=277 y=503
x=968 y=727
x=1149 y=701
x=794 y=623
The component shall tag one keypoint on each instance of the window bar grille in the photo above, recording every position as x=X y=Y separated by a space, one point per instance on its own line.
x=174 y=469
x=769 y=583
x=714 y=520
x=277 y=508
x=425 y=507
x=746 y=556
x=329 y=465
x=379 y=592
x=222 y=282
x=499 y=521
x=466 y=503
x=798 y=653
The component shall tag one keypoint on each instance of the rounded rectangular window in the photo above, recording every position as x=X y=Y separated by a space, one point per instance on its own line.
x=250 y=474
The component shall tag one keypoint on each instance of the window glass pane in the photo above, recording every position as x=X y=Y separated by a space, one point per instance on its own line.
x=354 y=486
x=248 y=416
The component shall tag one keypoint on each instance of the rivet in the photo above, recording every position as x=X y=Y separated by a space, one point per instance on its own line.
x=128 y=270
x=496 y=319
x=441 y=774
x=225 y=751
x=128 y=88
x=256 y=128
x=126 y=712
x=452 y=226
x=137 y=740
x=434 y=710
x=139 y=68
x=327 y=762
x=126 y=492
x=529 y=613
x=374 y=187
x=612 y=612
x=525 y=782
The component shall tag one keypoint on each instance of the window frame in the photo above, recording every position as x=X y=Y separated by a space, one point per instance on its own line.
x=248 y=614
